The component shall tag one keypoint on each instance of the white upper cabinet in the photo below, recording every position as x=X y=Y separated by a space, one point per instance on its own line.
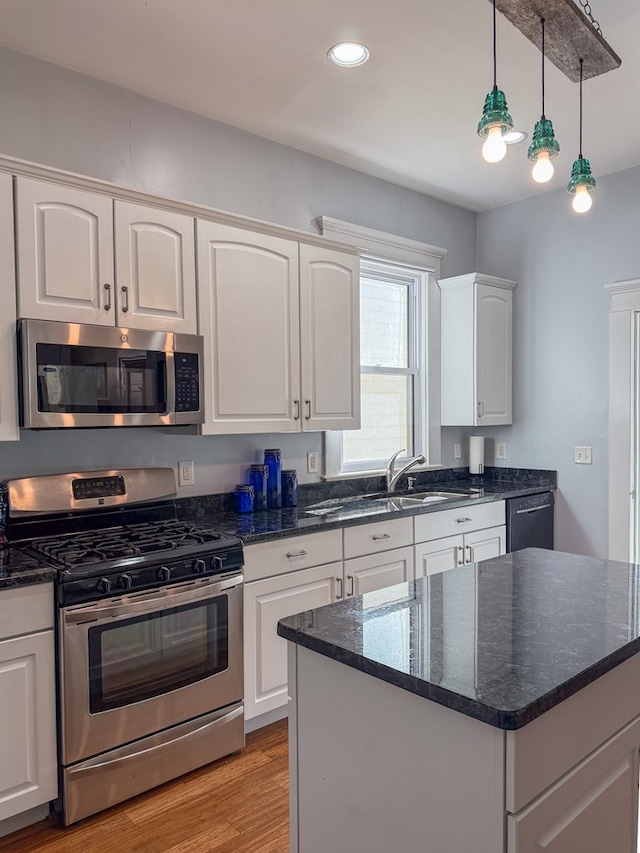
x=68 y=243
x=280 y=325
x=155 y=269
x=330 y=338
x=476 y=330
x=64 y=253
x=9 y=430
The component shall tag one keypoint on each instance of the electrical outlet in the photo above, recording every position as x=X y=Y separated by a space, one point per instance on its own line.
x=501 y=450
x=583 y=455
x=185 y=474
x=457 y=451
x=312 y=462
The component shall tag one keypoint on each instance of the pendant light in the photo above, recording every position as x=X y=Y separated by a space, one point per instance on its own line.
x=544 y=146
x=495 y=121
x=582 y=181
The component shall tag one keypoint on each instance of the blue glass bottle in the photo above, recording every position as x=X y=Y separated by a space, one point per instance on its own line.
x=258 y=477
x=272 y=459
x=244 y=498
x=289 y=488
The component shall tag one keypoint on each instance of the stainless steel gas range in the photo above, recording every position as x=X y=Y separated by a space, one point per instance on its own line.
x=149 y=631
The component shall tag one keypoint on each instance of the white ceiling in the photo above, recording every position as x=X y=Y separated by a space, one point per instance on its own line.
x=409 y=115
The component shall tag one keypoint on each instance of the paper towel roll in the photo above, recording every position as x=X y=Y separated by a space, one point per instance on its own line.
x=476 y=454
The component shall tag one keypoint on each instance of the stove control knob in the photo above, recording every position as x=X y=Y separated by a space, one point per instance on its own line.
x=199 y=566
x=163 y=573
x=125 y=581
x=217 y=563
x=104 y=585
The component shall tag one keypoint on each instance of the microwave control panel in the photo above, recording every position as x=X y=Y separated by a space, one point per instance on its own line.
x=187 y=385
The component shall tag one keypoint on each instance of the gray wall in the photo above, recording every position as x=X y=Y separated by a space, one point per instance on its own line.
x=59 y=118
x=561 y=262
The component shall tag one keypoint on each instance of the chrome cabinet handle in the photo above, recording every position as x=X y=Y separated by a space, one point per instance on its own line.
x=470 y=558
x=339 y=582
x=107 y=307
x=125 y=291
x=460 y=560
x=480 y=408
x=462 y=520
x=377 y=536
x=307 y=403
x=296 y=403
x=351 y=585
x=292 y=554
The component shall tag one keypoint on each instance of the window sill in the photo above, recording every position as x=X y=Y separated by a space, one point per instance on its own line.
x=376 y=472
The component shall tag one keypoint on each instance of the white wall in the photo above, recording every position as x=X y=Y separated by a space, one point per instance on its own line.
x=63 y=119
x=561 y=262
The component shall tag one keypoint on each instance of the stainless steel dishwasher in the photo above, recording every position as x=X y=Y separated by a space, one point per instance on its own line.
x=530 y=522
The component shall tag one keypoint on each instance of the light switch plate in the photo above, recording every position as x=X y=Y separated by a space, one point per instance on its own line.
x=583 y=455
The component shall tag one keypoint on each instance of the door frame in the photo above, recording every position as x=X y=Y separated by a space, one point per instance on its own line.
x=624 y=342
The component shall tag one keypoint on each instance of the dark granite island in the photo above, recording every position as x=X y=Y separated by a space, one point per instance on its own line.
x=490 y=708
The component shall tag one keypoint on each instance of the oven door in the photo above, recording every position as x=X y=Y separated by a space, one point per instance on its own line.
x=140 y=663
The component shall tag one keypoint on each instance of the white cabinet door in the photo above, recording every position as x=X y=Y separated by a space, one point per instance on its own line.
x=484 y=544
x=440 y=555
x=64 y=253
x=476 y=325
x=265 y=653
x=9 y=430
x=28 y=770
x=330 y=339
x=155 y=269
x=376 y=571
x=248 y=314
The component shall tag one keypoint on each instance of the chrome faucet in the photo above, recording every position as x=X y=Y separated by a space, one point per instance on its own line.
x=392 y=478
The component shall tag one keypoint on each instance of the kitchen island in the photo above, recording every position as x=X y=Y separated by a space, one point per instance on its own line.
x=490 y=708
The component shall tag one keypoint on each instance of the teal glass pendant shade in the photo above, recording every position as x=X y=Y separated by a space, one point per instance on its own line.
x=581 y=176
x=543 y=141
x=495 y=114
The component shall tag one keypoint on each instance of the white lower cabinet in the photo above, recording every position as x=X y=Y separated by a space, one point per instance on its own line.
x=375 y=571
x=452 y=551
x=28 y=770
x=265 y=653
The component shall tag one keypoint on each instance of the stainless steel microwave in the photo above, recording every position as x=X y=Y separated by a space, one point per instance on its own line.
x=77 y=375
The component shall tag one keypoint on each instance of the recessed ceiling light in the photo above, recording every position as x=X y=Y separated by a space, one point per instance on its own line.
x=514 y=136
x=348 y=53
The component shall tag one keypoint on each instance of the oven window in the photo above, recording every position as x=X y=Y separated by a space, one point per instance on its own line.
x=155 y=653
x=91 y=380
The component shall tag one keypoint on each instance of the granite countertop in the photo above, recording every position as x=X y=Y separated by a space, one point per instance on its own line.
x=18 y=569
x=315 y=514
x=502 y=641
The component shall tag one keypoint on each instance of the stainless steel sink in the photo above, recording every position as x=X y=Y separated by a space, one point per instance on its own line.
x=422 y=498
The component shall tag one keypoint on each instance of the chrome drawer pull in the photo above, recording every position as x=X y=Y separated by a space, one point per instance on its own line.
x=291 y=554
x=462 y=520
x=350 y=590
x=339 y=582
x=381 y=536
x=460 y=560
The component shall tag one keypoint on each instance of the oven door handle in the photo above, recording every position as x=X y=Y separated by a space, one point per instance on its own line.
x=158 y=599
x=122 y=761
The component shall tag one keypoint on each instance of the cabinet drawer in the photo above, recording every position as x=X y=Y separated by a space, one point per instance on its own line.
x=379 y=536
x=591 y=718
x=26 y=609
x=266 y=559
x=448 y=522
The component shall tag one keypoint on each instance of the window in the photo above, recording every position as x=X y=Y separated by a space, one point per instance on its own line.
x=400 y=352
x=392 y=367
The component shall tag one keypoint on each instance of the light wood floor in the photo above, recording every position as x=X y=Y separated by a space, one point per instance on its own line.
x=236 y=805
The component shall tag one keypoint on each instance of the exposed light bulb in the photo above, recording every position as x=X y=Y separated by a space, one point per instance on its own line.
x=581 y=200
x=543 y=168
x=494 y=147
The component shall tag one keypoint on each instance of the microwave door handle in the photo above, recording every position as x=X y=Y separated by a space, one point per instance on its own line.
x=167 y=382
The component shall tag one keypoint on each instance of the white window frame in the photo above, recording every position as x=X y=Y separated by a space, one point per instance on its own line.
x=423 y=260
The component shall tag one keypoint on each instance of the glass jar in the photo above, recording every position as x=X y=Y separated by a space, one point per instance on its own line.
x=244 y=498
x=272 y=459
x=258 y=476
x=290 y=488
